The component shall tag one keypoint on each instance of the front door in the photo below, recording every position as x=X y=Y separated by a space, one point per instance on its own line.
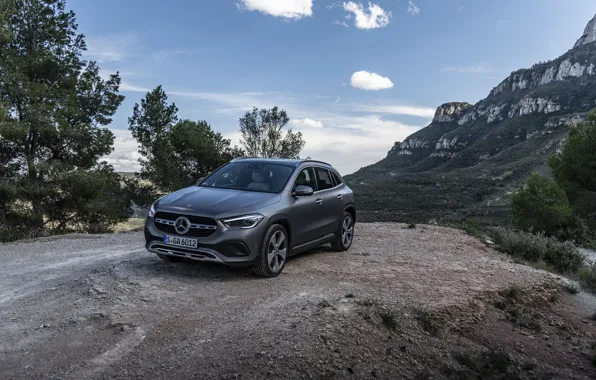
x=306 y=215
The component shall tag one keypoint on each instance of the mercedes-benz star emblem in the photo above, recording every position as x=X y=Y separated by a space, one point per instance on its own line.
x=182 y=225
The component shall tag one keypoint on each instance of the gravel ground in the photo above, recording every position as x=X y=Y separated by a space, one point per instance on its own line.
x=100 y=306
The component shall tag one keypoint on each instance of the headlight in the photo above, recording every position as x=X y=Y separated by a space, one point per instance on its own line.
x=152 y=211
x=246 y=221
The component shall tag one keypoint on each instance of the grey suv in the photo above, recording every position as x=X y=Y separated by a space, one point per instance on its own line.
x=254 y=212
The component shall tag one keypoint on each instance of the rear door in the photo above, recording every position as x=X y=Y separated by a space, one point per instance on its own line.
x=306 y=215
x=328 y=197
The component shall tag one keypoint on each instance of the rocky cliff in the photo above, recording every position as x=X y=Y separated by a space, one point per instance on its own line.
x=495 y=143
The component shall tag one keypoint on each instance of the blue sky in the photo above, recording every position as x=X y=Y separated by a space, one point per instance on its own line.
x=354 y=76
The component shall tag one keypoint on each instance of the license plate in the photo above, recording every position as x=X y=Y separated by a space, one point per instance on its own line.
x=181 y=241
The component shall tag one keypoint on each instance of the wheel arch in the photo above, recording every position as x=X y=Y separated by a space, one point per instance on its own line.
x=284 y=221
x=351 y=208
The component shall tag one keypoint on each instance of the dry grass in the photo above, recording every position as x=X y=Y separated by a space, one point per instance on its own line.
x=132 y=224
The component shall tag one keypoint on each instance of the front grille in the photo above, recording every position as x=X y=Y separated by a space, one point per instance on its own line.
x=192 y=218
x=193 y=232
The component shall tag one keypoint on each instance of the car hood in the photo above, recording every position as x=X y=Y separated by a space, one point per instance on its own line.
x=215 y=201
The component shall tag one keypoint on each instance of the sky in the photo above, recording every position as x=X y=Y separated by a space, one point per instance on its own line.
x=354 y=77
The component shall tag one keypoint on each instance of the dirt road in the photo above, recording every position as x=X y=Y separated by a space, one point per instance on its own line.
x=100 y=306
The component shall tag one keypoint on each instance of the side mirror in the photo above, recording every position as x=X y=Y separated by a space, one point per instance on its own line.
x=302 y=191
x=200 y=180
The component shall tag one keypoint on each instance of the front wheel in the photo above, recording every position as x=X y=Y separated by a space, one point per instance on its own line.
x=346 y=233
x=274 y=252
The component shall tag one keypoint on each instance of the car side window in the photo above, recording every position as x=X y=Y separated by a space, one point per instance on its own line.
x=324 y=181
x=336 y=179
x=306 y=177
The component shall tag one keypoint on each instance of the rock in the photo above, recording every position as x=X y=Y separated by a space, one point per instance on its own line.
x=589 y=34
x=450 y=111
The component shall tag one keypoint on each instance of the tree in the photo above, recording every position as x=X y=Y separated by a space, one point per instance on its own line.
x=174 y=154
x=574 y=168
x=198 y=151
x=262 y=134
x=55 y=109
x=540 y=206
x=150 y=124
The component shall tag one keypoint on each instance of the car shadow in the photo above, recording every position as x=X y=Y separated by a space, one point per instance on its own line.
x=150 y=265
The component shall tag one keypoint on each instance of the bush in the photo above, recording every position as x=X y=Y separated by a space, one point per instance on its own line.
x=587 y=276
x=562 y=256
x=541 y=205
x=576 y=230
x=522 y=245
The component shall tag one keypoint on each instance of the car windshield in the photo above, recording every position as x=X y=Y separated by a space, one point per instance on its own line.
x=263 y=177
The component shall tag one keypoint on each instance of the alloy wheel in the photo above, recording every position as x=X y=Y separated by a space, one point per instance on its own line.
x=277 y=251
x=347 y=231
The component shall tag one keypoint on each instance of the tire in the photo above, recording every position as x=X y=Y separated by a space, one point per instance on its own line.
x=345 y=235
x=170 y=259
x=273 y=252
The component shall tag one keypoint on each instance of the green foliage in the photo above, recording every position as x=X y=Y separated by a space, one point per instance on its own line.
x=53 y=111
x=541 y=205
x=262 y=134
x=174 y=154
x=564 y=257
x=575 y=229
x=587 y=276
x=89 y=200
x=151 y=124
x=574 y=168
x=198 y=151
x=522 y=245
x=411 y=225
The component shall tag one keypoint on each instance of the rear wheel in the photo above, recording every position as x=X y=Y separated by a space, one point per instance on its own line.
x=170 y=259
x=345 y=236
x=274 y=252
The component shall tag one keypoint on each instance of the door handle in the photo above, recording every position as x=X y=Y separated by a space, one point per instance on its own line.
x=340 y=196
x=319 y=201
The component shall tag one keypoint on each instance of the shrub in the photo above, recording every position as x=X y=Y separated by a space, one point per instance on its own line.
x=576 y=230
x=587 y=276
x=562 y=256
x=522 y=245
x=540 y=205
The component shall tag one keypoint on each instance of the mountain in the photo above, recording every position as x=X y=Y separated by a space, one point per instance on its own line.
x=470 y=158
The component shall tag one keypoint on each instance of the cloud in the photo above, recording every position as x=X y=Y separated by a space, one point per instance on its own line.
x=425 y=112
x=125 y=86
x=476 y=69
x=104 y=49
x=293 y=9
x=307 y=122
x=461 y=8
x=347 y=136
x=412 y=8
x=376 y=17
x=349 y=142
x=125 y=157
x=370 y=81
x=341 y=23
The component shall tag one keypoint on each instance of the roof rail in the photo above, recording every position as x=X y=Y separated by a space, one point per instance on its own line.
x=316 y=161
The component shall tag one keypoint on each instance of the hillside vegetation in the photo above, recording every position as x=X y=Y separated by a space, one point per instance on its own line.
x=468 y=161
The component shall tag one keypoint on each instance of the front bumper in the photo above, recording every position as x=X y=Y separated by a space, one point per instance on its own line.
x=234 y=247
